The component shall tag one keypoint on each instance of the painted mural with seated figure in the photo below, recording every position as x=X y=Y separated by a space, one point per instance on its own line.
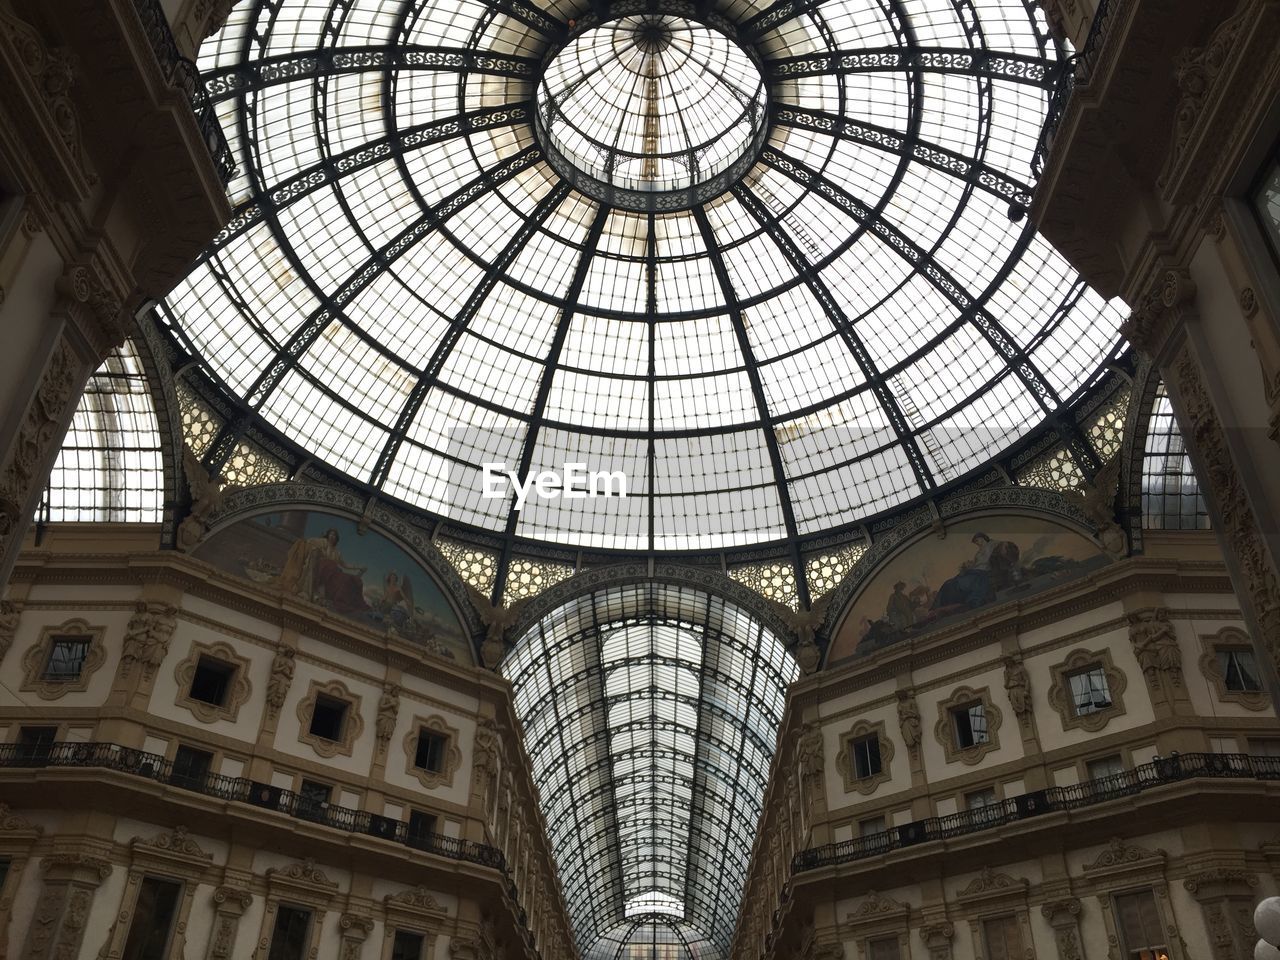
x=982 y=561
x=328 y=560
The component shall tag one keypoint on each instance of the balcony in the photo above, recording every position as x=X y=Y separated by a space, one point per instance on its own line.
x=152 y=766
x=1160 y=772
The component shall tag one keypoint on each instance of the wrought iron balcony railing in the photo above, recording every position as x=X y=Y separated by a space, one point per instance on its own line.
x=152 y=766
x=1161 y=771
x=185 y=75
x=1077 y=71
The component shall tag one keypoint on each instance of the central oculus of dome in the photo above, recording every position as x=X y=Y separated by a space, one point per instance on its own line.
x=652 y=112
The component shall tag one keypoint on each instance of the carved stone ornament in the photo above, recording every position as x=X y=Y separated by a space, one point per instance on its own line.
x=1240 y=528
x=35 y=437
x=1120 y=852
x=1063 y=701
x=1063 y=916
x=1155 y=644
x=1206 y=881
x=305 y=872
x=146 y=639
x=280 y=679
x=452 y=760
x=497 y=620
x=1151 y=321
x=207 y=495
x=11 y=822
x=239 y=687
x=177 y=841
x=909 y=720
x=229 y=897
x=95 y=868
x=10 y=615
x=388 y=707
x=846 y=764
x=1017 y=687
x=416 y=898
x=1096 y=501
x=989 y=882
x=875 y=906
x=937 y=936
x=37 y=676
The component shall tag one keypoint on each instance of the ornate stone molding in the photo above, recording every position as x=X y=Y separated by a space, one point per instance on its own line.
x=944 y=730
x=875 y=906
x=303 y=872
x=1155 y=644
x=1153 y=320
x=1239 y=523
x=384 y=725
x=1120 y=853
x=177 y=843
x=239 y=687
x=1017 y=688
x=1064 y=917
x=10 y=616
x=433 y=779
x=1060 y=697
x=280 y=679
x=146 y=639
x=352 y=722
x=845 y=760
x=37 y=432
x=35 y=660
x=909 y=722
x=811 y=762
x=937 y=935
x=990 y=883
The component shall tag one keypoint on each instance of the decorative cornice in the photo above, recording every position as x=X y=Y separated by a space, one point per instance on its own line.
x=176 y=842
x=1121 y=853
x=990 y=883
x=77 y=862
x=876 y=906
x=11 y=822
x=1238 y=877
x=416 y=898
x=304 y=872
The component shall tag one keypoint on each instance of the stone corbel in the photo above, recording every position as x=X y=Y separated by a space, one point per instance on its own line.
x=1226 y=896
x=1170 y=300
x=937 y=935
x=1064 y=917
x=354 y=930
x=229 y=905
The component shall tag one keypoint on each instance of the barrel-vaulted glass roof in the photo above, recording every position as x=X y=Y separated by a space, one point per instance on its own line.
x=650 y=715
x=780 y=336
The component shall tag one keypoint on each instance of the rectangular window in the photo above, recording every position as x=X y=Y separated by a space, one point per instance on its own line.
x=1141 y=932
x=191 y=767
x=1089 y=690
x=313 y=799
x=1104 y=768
x=407 y=946
x=36 y=743
x=1264 y=748
x=422 y=826
x=328 y=717
x=885 y=948
x=970 y=724
x=866 y=756
x=1003 y=936
x=212 y=680
x=153 y=917
x=289 y=935
x=983 y=805
x=430 y=753
x=4 y=872
x=1239 y=669
x=66 y=658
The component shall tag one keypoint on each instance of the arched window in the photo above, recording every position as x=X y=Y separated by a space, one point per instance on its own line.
x=1171 y=498
x=110 y=468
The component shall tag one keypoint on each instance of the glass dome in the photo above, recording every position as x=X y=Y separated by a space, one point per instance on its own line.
x=821 y=303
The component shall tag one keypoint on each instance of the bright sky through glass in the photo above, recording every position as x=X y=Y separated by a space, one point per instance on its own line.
x=410 y=289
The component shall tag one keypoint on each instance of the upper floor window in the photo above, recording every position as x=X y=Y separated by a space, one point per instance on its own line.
x=153 y=917
x=313 y=799
x=430 y=752
x=328 y=717
x=1239 y=669
x=1142 y=934
x=1090 y=691
x=1105 y=767
x=191 y=767
x=970 y=725
x=865 y=753
x=66 y=658
x=212 y=680
x=1003 y=937
x=407 y=946
x=290 y=934
x=885 y=948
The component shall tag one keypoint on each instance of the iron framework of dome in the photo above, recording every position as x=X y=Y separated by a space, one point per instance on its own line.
x=409 y=288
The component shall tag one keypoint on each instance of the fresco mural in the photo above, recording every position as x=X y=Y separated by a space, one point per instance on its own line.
x=326 y=559
x=982 y=561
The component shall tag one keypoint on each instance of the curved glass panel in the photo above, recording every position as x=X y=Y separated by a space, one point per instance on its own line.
x=412 y=287
x=1171 y=497
x=650 y=714
x=109 y=468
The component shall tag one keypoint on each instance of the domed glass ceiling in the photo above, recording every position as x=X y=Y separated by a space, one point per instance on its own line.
x=774 y=325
